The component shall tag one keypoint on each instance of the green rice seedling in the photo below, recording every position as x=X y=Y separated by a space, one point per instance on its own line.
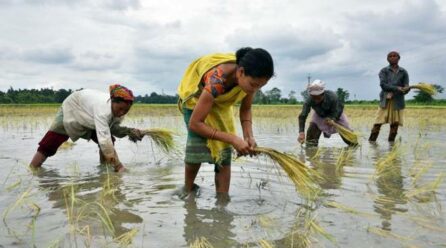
x=345 y=156
x=425 y=87
x=302 y=235
x=126 y=239
x=67 y=145
x=387 y=234
x=333 y=204
x=265 y=221
x=85 y=231
x=35 y=208
x=426 y=223
x=21 y=200
x=201 y=242
x=315 y=228
x=418 y=170
x=318 y=153
x=428 y=188
x=162 y=137
x=95 y=209
x=14 y=185
x=385 y=165
x=54 y=244
x=303 y=177
x=349 y=135
x=265 y=244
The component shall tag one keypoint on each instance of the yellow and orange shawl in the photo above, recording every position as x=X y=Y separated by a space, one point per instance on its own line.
x=221 y=116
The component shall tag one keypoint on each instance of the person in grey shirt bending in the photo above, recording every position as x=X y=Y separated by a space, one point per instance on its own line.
x=327 y=109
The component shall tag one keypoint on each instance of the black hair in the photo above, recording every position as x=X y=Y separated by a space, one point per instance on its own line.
x=257 y=62
x=120 y=99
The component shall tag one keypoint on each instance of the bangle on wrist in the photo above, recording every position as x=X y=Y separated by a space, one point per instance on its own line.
x=213 y=133
x=248 y=120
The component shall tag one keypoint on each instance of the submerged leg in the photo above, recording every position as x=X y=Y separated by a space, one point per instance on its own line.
x=313 y=135
x=47 y=147
x=190 y=173
x=375 y=132
x=223 y=179
x=393 y=131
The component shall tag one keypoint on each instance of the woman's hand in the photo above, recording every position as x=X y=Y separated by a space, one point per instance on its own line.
x=251 y=142
x=242 y=147
x=252 y=145
x=301 y=137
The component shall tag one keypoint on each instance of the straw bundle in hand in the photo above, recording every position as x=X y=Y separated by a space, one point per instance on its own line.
x=425 y=87
x=304 y=178
x=346 y=133
x=162 y=137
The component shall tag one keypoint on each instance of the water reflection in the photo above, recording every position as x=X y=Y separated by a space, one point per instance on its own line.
x=102 y=188
x=329 y=162
x=390 y=186
x=215 y=224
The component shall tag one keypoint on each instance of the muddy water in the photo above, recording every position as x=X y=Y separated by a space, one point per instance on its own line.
x=378 y=209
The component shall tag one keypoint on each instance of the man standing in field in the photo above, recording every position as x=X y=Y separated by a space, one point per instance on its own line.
x=394 y=82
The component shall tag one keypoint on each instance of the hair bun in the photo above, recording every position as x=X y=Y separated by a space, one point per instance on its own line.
x=241 y=53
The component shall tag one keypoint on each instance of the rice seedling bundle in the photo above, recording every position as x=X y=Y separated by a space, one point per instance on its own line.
x=265 y=244
x=387 y=234
x=346 y=133
x=201 y=242
x=303 y=177
x=425 y=87
x=385 y=165
x=162 y=137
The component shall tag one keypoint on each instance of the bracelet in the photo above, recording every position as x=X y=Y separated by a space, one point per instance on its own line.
x=246 y=120
x=213 y=133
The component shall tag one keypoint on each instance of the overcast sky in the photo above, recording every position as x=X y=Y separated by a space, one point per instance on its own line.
x=147 y=45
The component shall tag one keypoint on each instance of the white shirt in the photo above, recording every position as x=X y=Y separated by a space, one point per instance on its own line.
x=87 y=110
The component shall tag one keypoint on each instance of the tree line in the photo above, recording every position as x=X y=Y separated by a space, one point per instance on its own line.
x=273 y=96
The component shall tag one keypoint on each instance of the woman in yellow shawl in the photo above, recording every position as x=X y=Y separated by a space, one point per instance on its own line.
x=210 y=87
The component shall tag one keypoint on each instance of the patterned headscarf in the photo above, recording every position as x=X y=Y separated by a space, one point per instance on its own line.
x=117 y=90
x=316 y=88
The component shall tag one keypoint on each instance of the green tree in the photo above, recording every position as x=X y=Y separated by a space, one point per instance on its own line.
x=343 y=95
x=260 y=98
x=273 y=95
x=304 y=95
x=292 y=97
x=424 y=97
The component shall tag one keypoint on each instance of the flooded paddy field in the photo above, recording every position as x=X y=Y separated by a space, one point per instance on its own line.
x=374 y=195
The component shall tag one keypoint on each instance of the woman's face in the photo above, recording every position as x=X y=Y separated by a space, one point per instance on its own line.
x=119 y=109
x=249 y=84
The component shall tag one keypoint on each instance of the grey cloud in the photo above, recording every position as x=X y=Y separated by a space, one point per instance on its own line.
x=92 y=61
x=295 y=44
x=408 y=28
x=118 y=5
x=49 y=55
x=122 y=4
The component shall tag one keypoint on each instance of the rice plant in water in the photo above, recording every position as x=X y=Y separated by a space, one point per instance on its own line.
x=425 y=87
x=348 y=134
x=303 y=177
x=265 y=244
x=201 y=242
x=162 y=137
